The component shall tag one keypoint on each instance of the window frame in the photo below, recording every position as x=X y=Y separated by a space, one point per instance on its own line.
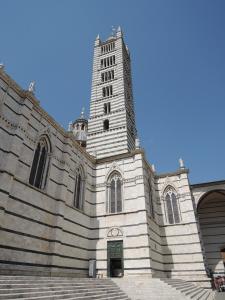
x=78 y=200
x=106 y=125
x=151 y=200
x=40 y=165
x=116 y=177
x=170 y=196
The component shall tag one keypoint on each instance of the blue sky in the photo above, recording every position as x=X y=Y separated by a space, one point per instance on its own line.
x=178 y=66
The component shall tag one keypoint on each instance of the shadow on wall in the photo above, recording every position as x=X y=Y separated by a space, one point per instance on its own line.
x=211 y=217
x=161 y=256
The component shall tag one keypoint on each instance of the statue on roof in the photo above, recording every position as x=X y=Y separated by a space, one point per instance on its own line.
x=31 y=87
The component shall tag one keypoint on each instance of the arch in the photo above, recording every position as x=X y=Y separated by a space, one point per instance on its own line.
x=40 y=164
x=114 y=193
x=79 y=188
x=206 y=194
x=211 y=218
x=171 y=205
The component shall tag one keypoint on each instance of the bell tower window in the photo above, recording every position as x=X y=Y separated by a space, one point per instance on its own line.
x=106 y=124
x=107 y=91
x=107 y=108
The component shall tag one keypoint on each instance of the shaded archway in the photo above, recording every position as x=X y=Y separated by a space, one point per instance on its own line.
x=211 y=215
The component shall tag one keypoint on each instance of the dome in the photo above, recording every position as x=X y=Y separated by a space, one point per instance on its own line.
x=79 y=129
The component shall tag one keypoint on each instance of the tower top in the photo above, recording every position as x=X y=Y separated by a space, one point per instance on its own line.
x=119 y=32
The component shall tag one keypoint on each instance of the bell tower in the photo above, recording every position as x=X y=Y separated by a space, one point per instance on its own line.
x=111 y=126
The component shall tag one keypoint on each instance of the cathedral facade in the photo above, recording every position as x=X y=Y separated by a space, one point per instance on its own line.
x=88 y=196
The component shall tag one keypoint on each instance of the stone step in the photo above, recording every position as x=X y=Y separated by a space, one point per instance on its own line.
x=132 y=288
x=30 y=287
x=199 y=295
x=63 y=294
x=33 y=285
x=71 y=296
x=55 y=288
x=55 y=281
x=188 y=289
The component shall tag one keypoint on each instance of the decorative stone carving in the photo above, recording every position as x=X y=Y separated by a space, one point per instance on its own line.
x=114 y=232
x=114 y=167
x=70 y=126
x=137 y=143
x=181 y=163
x=31 y=87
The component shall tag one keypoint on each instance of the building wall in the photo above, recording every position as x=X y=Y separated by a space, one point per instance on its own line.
x=131 y=222
x=41 y=231
x=180 y=242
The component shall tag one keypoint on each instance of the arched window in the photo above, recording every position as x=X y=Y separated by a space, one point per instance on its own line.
x=114 y=193
x=104 y=92
x=106 y=124
x=171 y=205
x=79 y=188
x=150 y=197
x=39 y=169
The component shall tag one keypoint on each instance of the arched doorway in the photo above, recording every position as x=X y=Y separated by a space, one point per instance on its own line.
x=211 y=215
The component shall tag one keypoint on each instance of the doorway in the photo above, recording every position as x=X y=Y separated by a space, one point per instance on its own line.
x=115 y=258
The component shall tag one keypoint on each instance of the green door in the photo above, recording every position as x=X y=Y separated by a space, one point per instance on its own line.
x=115 y=258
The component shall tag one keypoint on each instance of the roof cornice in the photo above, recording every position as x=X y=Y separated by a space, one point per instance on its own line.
x=24 y=94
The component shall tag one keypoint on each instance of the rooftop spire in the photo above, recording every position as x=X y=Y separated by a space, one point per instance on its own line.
x=119 y=32
x=82 y=113
x=31 y=87
x=97 y=40
x=2 y=66
x=113 y=31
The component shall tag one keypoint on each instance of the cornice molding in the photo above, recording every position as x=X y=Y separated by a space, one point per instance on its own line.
x=178 y=172
x=119 y=156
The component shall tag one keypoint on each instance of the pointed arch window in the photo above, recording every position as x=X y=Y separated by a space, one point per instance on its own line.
x=39 y=169
x=150 y=197
x=172 y=206
x=79 y=189
x=114 y=193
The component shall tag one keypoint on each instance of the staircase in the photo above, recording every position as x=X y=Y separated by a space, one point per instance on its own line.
x=136 y=288
x=45 y=288
x=190 y=290
x=139 y=288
